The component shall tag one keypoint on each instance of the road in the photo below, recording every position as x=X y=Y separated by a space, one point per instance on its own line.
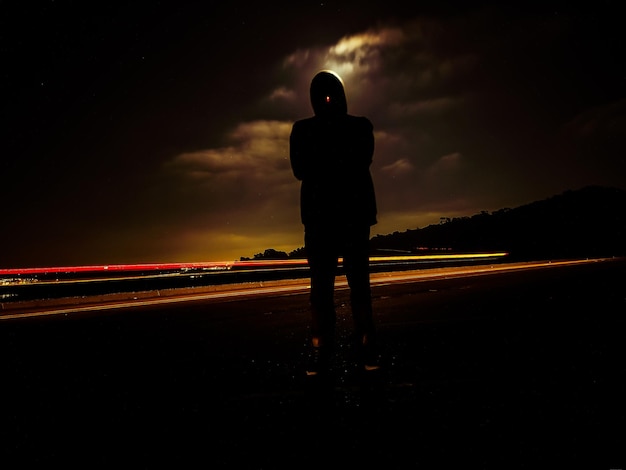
x=71 y=305
x=517 y=369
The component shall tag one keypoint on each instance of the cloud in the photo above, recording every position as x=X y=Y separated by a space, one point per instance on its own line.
x=445 y=165
x=399 y=167
x=393 y=75
x=245 y=187
x=351 y=55
x=360 y=54
x=282 y=93
x=259 y=151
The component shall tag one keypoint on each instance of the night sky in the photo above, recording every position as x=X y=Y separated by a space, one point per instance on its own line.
x=147 y=132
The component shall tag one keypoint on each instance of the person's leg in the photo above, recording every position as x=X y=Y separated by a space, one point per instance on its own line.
x=356 y=264
x=322 y=259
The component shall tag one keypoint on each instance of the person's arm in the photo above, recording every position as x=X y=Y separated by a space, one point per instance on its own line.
x=296 y=152
x=368 y=141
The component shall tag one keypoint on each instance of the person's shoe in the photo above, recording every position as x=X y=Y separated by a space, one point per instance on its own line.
x=371 y=366
x=371 y=361
x=368 y=352
x=319 y=362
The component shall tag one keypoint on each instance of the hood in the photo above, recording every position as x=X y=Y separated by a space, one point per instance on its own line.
x=328 y=97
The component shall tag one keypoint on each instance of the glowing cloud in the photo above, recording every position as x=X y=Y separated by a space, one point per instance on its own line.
x=282 y=93
x=361 y=53
x=260 y=149
x=446 y=163
x=398 y=167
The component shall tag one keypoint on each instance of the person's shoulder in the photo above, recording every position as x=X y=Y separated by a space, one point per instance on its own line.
x=360 y=121
x=303 y=123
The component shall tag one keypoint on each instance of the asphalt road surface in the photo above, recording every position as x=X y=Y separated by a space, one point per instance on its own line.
x=521 y=369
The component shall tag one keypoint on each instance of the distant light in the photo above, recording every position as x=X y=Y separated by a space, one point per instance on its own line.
x=439 y=257
x=328 y=99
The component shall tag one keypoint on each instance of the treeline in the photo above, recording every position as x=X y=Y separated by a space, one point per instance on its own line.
x=589 y=222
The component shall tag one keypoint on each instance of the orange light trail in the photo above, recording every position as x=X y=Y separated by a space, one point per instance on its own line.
x=227 y=265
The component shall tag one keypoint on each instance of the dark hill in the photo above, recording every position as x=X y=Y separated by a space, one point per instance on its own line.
x=588 y=222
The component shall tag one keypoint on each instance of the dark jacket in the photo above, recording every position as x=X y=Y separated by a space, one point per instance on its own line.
x=331 y=154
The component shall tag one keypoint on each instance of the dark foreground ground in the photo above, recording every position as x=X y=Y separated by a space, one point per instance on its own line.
x=519 y=370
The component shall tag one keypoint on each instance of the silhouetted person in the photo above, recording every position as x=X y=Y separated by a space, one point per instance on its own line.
x=331 y=154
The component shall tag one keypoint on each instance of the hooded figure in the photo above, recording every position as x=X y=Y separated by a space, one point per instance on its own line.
x=331 y=153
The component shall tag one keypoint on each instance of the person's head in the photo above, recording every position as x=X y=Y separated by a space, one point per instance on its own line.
x=328 y=97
